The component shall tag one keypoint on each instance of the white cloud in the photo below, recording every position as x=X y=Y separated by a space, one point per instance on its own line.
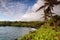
x=32 y=15
x=37 y=5
x=17 y=10
x=14 y=10
x=57 y=10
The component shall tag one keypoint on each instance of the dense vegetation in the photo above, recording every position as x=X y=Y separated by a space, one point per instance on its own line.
x=42 y=33
x=21 y=23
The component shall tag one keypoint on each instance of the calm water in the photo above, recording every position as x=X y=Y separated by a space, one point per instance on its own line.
x=11 y=33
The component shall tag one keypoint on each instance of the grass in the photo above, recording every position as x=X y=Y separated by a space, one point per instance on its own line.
x=42 y=33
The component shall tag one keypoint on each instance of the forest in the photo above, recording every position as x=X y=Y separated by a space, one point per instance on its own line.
x=21 y=23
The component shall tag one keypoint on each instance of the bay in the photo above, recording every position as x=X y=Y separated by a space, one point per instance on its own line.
x=12 y=33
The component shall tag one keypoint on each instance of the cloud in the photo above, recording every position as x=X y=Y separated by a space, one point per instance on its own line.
x=32 y=15
x=57 y=10
x=21 y=11
x=37 y=5
x=14 y=10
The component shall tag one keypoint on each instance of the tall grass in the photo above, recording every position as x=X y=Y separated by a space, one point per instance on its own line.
x=42 y=33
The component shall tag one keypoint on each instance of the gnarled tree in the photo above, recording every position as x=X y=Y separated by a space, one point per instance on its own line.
x=48 y=7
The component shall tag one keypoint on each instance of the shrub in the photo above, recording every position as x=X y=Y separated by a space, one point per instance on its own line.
x=41 y=34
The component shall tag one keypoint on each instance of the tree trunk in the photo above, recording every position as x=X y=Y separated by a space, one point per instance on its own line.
x=45 y=16
x=55 y=25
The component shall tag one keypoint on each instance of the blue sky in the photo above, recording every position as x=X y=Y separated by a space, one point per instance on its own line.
x=14 y=9
x=22 y=10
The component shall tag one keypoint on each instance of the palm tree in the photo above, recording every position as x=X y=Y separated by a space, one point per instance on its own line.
x=48 y=7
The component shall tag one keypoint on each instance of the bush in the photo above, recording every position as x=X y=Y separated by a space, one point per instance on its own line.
x=42 y=34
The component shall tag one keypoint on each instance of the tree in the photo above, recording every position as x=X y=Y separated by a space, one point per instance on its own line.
x=48 y=7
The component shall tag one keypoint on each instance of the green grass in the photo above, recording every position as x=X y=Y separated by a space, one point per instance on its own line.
x=42 y=34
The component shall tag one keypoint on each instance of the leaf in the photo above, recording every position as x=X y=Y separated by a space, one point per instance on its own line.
x=41 y=7
x=57 y=3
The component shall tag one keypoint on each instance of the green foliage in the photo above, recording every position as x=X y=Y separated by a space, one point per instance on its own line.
x=55 y=18
x=42 y=34
x=21 y=23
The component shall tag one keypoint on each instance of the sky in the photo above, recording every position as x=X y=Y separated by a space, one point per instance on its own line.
x=22 y=10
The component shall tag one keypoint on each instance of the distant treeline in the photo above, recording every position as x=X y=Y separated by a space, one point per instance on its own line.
x=21 y=23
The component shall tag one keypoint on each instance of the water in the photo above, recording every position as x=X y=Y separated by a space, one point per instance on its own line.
x=11 y=33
